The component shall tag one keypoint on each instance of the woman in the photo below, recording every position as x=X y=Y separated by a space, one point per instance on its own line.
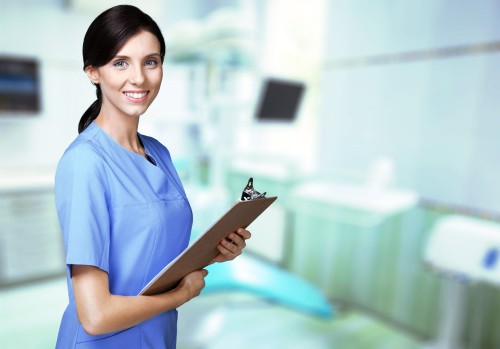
x=122 y=208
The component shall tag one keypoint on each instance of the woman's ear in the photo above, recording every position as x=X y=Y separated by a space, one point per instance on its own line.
x=93 y=74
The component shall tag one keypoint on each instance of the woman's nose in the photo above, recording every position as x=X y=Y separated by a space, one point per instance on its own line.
x=136 y=76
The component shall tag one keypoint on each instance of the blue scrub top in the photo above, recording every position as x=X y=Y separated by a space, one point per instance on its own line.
x=127 y=216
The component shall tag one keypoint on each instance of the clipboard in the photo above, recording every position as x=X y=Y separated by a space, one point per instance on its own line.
x=204 y=249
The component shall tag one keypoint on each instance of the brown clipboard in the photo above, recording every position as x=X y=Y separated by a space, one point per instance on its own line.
x=204 y=249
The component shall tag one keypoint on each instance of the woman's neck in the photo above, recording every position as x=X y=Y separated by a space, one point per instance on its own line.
x=122 y=130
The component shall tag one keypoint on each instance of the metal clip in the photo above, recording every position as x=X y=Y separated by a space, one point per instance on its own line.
x=249 y=193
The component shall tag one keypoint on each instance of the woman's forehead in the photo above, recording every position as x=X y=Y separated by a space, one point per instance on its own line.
x=143 y=44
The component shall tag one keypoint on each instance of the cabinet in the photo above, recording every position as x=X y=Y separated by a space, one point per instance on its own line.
x=30 y=241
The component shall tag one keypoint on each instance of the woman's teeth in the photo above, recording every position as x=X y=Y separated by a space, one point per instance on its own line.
x=135 y=94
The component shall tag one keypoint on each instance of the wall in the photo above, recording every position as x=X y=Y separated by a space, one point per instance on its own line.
x=47 y=33
x=416 y=82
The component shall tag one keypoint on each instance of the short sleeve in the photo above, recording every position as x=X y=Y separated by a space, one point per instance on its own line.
x=82 y=196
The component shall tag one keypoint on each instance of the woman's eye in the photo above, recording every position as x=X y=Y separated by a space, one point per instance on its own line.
x=151 y=63
x=120 y=64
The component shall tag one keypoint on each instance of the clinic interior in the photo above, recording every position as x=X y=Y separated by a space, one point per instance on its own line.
x=374 y=122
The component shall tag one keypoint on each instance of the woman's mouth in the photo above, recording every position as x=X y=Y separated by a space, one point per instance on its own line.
x=136 y=96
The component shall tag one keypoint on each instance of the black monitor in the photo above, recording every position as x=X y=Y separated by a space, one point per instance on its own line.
x=279 y=100
x=19 y=85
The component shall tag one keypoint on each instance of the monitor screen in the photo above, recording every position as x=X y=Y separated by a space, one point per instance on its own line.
x=280 y=100
x=19 y=85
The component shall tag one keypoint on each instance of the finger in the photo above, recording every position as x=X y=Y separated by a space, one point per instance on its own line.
x=204 y=272
x=219 y=258
x=228 y=250
x=237 y=240
x=245 y=234
x=230 y=246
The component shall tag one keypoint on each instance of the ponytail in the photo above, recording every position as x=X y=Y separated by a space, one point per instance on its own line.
x=92 y=112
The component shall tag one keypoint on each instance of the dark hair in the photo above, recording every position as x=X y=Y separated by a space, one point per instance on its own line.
x=106 y=35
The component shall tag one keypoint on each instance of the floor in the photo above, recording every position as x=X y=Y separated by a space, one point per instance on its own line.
x=29 y=318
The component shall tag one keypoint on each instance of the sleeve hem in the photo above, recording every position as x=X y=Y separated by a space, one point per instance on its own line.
x=88 y=260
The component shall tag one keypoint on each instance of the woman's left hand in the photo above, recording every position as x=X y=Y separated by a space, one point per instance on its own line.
x=232 y=246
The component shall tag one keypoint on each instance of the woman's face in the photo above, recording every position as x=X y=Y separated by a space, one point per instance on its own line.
x=131 y=80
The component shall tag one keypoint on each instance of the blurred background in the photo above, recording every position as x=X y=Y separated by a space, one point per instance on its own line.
x=375 y=123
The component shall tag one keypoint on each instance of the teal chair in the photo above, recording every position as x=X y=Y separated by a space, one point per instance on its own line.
x=252 y=274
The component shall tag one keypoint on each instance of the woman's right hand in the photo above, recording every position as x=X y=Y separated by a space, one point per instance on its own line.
x=192 y=284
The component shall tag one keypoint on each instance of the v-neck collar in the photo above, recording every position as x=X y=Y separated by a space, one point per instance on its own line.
x=163 y=170
x=154 y=162
x=148 y=155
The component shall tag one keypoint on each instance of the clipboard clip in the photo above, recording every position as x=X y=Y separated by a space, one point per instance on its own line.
x=249 y=193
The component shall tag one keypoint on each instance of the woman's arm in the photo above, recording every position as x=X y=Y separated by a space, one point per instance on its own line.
x=101 y=312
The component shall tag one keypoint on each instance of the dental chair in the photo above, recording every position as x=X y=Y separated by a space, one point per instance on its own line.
x=255 y=275
x=463 y=251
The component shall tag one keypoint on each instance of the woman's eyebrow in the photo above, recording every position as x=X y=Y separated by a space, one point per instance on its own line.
x=127 y=57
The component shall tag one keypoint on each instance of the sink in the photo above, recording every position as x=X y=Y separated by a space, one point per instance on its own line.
x=358 y=197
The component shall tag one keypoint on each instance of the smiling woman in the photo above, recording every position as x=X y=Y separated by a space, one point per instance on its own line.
x=106 y=38
x=122 y=208
x=130 y=81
